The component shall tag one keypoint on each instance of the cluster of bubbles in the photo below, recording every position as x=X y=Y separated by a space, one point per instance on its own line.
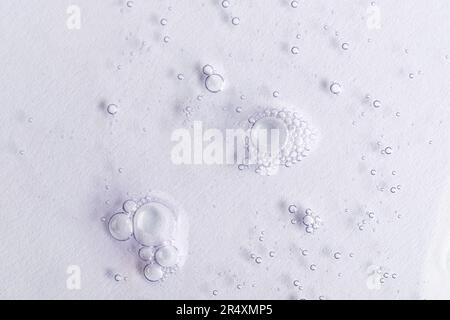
x=309 y=218
x=377 y=276
x=214 y=82
x=292 y=142
x=151 y=222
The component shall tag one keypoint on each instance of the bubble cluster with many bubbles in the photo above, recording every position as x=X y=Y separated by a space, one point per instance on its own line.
x=277 y=137
x=160 y=230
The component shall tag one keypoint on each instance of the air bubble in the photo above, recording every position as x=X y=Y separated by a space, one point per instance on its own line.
x=335 y=88
x=295 y=50
x=153 y=273
x=376 y=103
x=167 y=256
x=345 y=46
x=112 y=109
x=129 y=206
x=294 y=4
x=208 y=69
x=166 y=39
x=296 y=283
x=146 y=253
x=214 y=83
x=258 y=260
x=180 y=76
x=337 y=255
x=388 y=150
x=152 y=223
x=235 y=21
x=313 y=267
x=275 y=94
x=163 y=21
x=292 y=208
x=271 y=254
x=120 y=227
x=225 y=4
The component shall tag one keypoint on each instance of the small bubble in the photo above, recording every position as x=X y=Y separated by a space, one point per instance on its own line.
x=293 y=221
x=238 y=109
x=258 y=260
x=215 y=292
x=225 y=4
x=292 y=208
x=294 y=4
x=208 y=69
x=305 y=253
x=276 y=94
x=335 y=88
x=296 y=283
x=271 y=254
x=345 y=46
x=180 y=76
x=130 y=4
x=112 y=109
x=166 y=39
x=30 y=120
x=163 y=21
x=235 y=21
x=261 y=238
x=118 y=277
x=295 y=50
x=337 y=255
x=411 y=75
x=388 y=150
x=313 y=267
x=394 y=276
x=376 y=103
x=298 y=36
x=373 y=172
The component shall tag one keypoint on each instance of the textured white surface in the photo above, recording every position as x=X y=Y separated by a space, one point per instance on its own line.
x=56 y=168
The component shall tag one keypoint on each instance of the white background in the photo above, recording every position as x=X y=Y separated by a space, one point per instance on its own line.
x=59 y=170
